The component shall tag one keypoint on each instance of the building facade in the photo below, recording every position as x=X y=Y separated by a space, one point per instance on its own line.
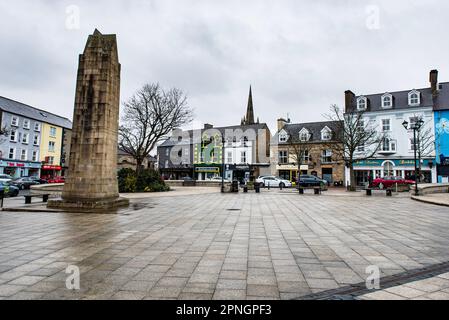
x=126 y=161
x=31 y=136
x=386 y=112
x=441 y=116
x=308 y=149
x=238 y=152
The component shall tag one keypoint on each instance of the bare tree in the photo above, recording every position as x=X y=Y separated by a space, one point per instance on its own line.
x=298 y=151
x=358 y=139
x=425 y=140
x=148 y=117
x=4 y=132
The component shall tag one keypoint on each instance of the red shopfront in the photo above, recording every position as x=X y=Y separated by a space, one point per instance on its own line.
x=50 y=171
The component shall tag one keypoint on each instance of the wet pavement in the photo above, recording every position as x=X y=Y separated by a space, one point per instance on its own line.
x=273 y=245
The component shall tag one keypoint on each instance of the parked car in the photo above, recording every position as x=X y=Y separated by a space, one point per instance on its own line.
x=311 y=181
x=24 y=183
x=5 y=178
x=388 y=182
x=56 y=180
x=10 y=190
x=271 y=181
x=40 y=180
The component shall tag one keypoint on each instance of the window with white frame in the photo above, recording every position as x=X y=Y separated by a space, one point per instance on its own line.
x=14 y=121
x=13 y=136
x=283 y=137
x=12 y=154
x=326 y=156
x=326 y=134
x=414 y=98
x=50 y=160
x=36 y=140
x=387 y=101
x=230 y=157
x=386 y=125
x=283 y=157
x=26 y=124
x=23 y=155
x=52 y=132
x=305 y=156
x=26 y=138
x=37 y=127
x=386 y=144
x=304 y=135
x=243 y=157
x=51 y=146
x=35 y=157
x=361 y=103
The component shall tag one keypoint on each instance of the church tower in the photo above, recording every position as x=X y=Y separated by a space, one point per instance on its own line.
x=249 y=118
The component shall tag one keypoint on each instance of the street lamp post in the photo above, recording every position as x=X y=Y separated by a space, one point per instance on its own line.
x=416 y=127
x=222 y=162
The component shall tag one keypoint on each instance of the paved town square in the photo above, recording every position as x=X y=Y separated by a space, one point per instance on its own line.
x=201 y=244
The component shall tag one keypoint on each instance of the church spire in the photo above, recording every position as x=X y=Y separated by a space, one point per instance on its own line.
x=250 y=111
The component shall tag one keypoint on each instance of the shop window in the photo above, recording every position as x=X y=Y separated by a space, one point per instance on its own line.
x=388 y=169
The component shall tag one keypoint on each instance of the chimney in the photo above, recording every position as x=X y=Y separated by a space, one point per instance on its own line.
x=349 y=98
x=281 y=123
x=434 y=82
x=208 y=126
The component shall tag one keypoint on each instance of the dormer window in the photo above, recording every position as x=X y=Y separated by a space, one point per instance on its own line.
x=361 y=103
x=283 y=136
x=304 y=135
x=387 y=101
x=326 y=134
x=414 y=98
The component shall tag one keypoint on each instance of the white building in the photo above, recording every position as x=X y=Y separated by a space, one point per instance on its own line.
x=387 y=112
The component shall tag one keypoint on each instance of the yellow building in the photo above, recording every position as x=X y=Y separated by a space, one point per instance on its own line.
x=51 y=150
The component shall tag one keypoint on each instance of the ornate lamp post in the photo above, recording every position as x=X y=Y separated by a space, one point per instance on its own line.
x=416 y=127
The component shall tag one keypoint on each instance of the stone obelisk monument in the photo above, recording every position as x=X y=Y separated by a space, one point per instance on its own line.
x=91 y=182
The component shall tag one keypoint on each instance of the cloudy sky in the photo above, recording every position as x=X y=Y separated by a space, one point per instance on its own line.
x=299 y=56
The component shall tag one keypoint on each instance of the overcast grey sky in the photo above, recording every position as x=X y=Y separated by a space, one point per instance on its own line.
x=300 y=56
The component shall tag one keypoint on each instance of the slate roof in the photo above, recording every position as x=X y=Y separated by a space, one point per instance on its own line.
x=400 y=99
x=314 y=129
x=24 y=110
x=169 y=142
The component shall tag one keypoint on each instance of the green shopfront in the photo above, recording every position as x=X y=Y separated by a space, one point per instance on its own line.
x=405 y=168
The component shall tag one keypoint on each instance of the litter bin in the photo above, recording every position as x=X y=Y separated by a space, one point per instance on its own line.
x=235 y=186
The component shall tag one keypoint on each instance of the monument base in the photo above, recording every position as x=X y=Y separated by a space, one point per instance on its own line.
x=102 y=206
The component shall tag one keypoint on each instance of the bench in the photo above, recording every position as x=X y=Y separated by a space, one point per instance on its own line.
x=369 y=191
x=317 y=190
x=43 y=196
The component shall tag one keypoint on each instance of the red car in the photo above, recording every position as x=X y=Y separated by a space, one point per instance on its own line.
x=56 y=180
x=388 y=182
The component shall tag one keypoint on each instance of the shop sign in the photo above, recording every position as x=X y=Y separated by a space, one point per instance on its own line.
x=12 y=164
x=57 y=168
x=208 y=170
x=367 y=163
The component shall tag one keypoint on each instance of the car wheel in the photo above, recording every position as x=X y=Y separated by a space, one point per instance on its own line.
x=15 y=194
x=282 y=185
x=262 y=184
